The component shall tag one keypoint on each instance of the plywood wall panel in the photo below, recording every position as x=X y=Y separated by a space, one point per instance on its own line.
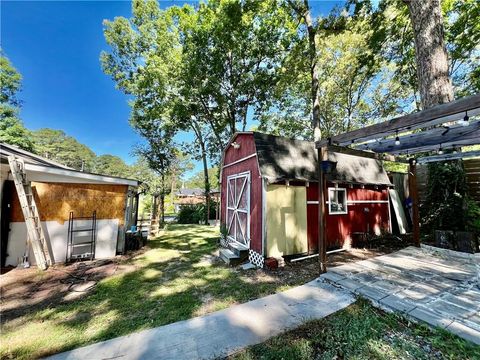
x=56 y=200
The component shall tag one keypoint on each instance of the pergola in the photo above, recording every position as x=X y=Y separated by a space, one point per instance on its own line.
x=448 y=126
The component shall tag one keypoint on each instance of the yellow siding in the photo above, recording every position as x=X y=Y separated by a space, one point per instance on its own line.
x=286 y=220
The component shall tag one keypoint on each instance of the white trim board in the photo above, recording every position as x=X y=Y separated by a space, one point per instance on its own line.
x=39 y=173
x=240 y=160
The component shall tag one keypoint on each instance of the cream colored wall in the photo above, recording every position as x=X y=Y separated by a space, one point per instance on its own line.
x=57 y=234
x=286 y=220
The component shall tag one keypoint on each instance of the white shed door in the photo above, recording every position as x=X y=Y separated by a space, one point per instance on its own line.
x=238 y=208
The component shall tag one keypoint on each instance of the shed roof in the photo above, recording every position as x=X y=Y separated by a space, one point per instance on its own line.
x=281 y=159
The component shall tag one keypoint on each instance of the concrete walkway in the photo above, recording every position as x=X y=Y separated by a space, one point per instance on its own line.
x=440 y=287
x=223 y=332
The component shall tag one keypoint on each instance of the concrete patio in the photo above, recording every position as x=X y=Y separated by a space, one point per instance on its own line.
x=439 y=287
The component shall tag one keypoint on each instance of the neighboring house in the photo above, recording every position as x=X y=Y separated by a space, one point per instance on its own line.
x=188 y=197
x=269 y=196
x=59 y=190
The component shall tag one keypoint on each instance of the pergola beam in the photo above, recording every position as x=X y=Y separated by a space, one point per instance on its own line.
x=427 y=140
x=446 y=157
x=436 y=115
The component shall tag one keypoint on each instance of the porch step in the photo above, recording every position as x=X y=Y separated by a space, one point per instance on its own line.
x=239 y=250
x=230 y=257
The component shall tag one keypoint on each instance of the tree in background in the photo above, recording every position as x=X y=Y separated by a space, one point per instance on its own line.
x=12 y=130
x=111 y=165
x=196 y=180
x=58 y=146
x=159 y=153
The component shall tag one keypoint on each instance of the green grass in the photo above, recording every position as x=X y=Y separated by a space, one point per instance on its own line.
x=361 y=331
x=172 y=282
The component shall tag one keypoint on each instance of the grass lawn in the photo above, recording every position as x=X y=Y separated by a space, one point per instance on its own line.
x=361 y=331
x=173 y=280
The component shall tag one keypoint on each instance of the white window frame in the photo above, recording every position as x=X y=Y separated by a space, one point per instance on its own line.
x=333 y=212
x=231 y=222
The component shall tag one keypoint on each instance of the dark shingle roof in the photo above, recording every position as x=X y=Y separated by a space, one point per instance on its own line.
x=283 y=159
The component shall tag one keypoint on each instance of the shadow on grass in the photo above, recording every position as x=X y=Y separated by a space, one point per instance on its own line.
x=173 y=283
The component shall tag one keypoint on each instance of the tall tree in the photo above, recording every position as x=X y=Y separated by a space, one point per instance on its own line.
x=302 y=8
x=200 y=71
x=12 y=130
x=159 y=154
x=355 y=84
x=65 y=149
x=110 y=165
x=430 y=52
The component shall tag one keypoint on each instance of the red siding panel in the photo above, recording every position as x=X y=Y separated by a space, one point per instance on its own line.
x=247 y=147
x=358 y=219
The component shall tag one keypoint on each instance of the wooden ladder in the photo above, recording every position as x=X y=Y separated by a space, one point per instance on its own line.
x=36 y=235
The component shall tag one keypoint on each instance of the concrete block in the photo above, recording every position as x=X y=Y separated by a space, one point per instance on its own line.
x=397 y=303
x=450 y=310
x=371 y=292
x=430 y=317
x=331 y=276
x=350 y=284
x=464 y=332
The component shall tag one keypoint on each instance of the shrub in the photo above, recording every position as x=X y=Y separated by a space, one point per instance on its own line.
x=193 y=214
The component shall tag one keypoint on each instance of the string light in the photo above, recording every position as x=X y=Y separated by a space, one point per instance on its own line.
x=397 y=139
x=464 y=121
x=440 y=151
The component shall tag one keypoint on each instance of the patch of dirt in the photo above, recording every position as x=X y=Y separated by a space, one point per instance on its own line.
x=26 y=290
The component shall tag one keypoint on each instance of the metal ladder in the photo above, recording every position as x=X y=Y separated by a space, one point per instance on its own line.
x=36 y=235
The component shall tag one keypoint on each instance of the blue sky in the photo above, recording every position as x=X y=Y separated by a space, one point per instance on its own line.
x=55 y=45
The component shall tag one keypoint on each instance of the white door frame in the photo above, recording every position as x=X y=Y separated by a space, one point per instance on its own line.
x=236 y=202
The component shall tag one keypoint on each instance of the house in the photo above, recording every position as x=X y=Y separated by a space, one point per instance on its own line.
x=188 y=197
x=269 y=196
x=195 y=196
x=60 y=193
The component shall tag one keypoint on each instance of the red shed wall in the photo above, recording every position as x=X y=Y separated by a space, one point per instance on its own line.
x=340 y=227
x=247 y=147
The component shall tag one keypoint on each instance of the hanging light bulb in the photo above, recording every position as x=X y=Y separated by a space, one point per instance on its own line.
x=440 y=151
x=464 y=121
x=397 y=139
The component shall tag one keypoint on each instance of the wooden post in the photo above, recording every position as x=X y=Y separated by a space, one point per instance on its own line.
x=412 y=184
x=322 y=249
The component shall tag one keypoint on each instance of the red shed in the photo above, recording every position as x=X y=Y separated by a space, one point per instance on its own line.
x=269 y=197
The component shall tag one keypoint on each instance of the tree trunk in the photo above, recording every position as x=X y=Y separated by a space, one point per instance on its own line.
x=312 y=52
x=162 y=202
x=198 y=132
x=172 y=187
x=430 y=52
x=207 y=186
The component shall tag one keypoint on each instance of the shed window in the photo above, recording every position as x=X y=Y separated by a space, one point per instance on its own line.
x=337 y=201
